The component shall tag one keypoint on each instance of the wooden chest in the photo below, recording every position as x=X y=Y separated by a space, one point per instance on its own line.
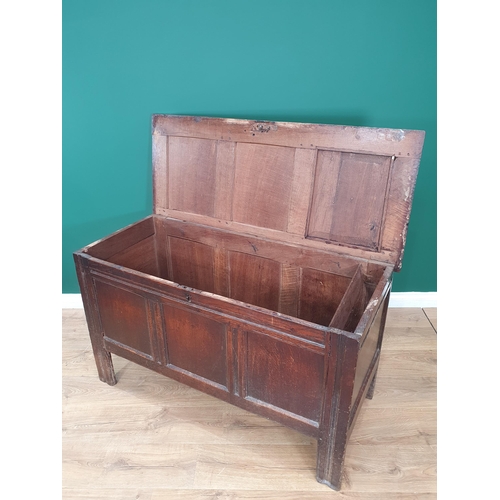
x=263 y=275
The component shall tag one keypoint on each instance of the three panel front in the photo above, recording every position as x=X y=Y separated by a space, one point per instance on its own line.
x=273 y=372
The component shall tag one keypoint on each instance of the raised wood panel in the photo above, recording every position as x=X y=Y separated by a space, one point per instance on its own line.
x=192 y=264
x=320 y=295
x=195 y=343
x=255 y=280
x=352 y=305
x=192 y=174
x=262 y=185
x=141 y=257
x=124 y=317
x=348 y=198
x=285 y=376
x=122 y=239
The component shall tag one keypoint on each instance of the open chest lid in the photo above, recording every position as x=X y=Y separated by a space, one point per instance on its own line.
x=342 y=189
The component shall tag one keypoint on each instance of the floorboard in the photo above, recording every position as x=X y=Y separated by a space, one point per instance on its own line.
x=431 y=313
x=151 y=438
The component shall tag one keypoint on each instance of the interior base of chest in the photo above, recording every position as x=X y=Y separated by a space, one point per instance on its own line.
x=300 y=282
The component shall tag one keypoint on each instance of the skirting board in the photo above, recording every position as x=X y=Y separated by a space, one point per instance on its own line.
x=398 y=299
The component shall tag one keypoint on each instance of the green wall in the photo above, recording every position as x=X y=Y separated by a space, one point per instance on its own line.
x=363 y=62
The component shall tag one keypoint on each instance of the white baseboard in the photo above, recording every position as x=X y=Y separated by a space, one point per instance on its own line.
x=398 y=299
x=413 y=299
x=72 y=301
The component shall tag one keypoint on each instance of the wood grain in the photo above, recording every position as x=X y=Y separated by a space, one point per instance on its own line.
x=352 y=305
x=224 y=180
x=263 y=185
x=320 y=295
x=141 y=256
x=383 y=141
x=289 y=290
x=196 y=343
x=285 y=375
x=192 y=264
x=221 y=494
x=302 y=183
x=263 y=276
x=349 y=198
x=122 y=239
x=431 y=313
x=192 y=163
x=398 y=206
x=152 y=438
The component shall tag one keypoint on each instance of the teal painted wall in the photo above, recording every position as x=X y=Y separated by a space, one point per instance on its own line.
x=364 y=62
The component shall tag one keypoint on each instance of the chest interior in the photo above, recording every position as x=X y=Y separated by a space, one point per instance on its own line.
x=279 y=277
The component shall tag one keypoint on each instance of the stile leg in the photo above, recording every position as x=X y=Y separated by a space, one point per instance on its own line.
x=334 y=425
x=104 y=364
x=102 y=357
x=331 y=453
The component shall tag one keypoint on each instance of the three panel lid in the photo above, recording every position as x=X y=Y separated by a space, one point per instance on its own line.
x=341 y=189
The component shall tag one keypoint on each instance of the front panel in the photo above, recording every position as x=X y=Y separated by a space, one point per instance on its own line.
x=196 y=344
x=284 y=375
x=124 y=317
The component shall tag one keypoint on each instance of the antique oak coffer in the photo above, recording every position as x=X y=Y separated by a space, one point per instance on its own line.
x=263 y=275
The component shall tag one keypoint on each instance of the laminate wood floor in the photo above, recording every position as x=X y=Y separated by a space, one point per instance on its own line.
x=151 y=438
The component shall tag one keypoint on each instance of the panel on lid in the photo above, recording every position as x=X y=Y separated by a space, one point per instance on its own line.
x=349 y=198
x=191 y=175
x=262 y=185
